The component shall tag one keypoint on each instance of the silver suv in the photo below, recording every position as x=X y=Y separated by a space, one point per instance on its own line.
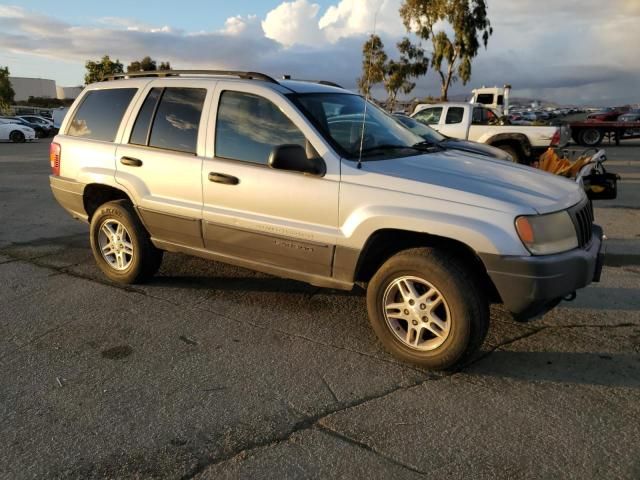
x=306 y=180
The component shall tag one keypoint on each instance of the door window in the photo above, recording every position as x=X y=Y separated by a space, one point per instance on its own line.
x=430 y=116
x=454 y=115
x=248 y=127
x=100 y=114
x=141 y=129
x=177 y=119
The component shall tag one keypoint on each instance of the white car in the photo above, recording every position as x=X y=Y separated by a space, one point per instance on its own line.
x=14 y=132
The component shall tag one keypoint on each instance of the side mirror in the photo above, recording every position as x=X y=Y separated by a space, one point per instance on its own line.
x=294 y=158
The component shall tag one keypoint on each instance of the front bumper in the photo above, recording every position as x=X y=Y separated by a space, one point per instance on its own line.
x=530 y=286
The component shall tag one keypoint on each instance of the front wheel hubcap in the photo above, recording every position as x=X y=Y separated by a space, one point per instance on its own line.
x=417 y=313
x=115 y=244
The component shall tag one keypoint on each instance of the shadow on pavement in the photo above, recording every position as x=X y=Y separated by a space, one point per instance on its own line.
x=592 y=368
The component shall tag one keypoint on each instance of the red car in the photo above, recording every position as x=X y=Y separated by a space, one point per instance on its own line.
x=608 y=115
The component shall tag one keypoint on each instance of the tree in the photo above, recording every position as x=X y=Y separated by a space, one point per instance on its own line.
x=6 y=91
x=374 y=60
x=395 y=75
x=164 y=66
x=468 y=21
x=104 y=67
x=412 y=64
x=147 y=64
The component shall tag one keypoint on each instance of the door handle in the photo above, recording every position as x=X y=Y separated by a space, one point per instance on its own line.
x=224 y=179
x=131 y=162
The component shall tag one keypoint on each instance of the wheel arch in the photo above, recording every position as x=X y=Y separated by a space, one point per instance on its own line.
x=519 y=141
x=96 y=194
x=383 y=244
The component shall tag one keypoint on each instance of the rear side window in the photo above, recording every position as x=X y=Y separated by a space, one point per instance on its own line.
x=177 y=119
x=100 y=114
x=430 y=116
x=249 y=126
x=454 y=115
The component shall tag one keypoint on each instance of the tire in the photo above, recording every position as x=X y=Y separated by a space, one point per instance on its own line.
x=135 y=259
x=464 y=306
x=590 y=137
x=515 y=154
x=17 y=137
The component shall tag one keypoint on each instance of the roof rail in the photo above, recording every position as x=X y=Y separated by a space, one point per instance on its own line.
x=176 y=73
x=321 y=82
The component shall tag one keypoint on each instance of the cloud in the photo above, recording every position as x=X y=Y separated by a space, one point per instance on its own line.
x=567 y=51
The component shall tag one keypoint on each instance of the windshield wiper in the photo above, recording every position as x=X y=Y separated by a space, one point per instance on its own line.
x=390 y=146
x=426 y=145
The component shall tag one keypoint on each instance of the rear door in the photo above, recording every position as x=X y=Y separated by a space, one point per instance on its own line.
x=159 y=161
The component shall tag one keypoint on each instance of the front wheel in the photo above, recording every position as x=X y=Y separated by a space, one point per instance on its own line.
x=426 y=309
x=121 y=245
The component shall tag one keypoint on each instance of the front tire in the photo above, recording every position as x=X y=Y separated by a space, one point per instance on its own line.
x=591 y=137
x=426 y=309
x=121 y=245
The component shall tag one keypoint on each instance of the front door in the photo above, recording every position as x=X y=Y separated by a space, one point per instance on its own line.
x=252 y=212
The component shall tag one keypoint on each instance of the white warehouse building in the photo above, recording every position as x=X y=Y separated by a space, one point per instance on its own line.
x=41 y=87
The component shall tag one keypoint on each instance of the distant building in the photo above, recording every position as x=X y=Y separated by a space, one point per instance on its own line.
x=41 y=87
x=68 y=92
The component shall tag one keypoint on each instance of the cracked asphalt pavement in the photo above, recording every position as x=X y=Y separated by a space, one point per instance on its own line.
x=213 y=372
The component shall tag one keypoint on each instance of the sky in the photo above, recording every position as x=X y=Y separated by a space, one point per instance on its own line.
x=566 y=51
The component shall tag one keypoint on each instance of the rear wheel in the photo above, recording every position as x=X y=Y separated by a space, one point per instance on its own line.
x=426 y=309
x=121 y=246
x=17 y=137
x=515 y=155
x=591 y=137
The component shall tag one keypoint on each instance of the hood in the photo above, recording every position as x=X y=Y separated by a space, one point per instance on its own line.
x=474 y=180
x=475 y=147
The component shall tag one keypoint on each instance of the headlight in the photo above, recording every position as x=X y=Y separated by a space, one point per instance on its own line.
x=547 y=234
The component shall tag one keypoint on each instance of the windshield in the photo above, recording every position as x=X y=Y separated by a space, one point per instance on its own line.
x=340 y=119
x=420 y=129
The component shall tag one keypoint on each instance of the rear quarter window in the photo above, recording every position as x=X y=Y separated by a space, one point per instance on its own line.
x=100 y=114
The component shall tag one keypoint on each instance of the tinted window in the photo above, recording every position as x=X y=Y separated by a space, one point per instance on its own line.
x=177 y=119
x=430 y=116
x=143 y=122
x=485 y=98
x=248 y=127
x=454 y=115
x=100 y=114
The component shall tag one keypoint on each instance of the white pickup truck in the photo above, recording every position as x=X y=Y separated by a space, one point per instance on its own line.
x=476 y=122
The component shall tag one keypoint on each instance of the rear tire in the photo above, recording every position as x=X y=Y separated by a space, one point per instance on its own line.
x=17 y=137
x=590 y=137
x=121 y=245
x=515 y=154
x=426 y=308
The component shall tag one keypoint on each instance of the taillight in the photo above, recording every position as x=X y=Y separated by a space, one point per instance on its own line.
x=54 y=158
x=555 y=140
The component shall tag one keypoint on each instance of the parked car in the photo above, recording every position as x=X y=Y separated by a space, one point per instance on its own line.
x=481 y=124
x=41 y=131
x=46 y=123
x=633 y=116
x=276 y=176
x=430 y=135
x=15 y=132
x=606 y=115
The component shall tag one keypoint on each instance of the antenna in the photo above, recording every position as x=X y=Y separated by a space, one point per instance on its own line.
x=366 y=98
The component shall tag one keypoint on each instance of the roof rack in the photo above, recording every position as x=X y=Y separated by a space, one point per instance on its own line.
x=321 y=82
x=176 y=73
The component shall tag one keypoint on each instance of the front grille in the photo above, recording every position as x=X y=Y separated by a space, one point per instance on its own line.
x=582 y=216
